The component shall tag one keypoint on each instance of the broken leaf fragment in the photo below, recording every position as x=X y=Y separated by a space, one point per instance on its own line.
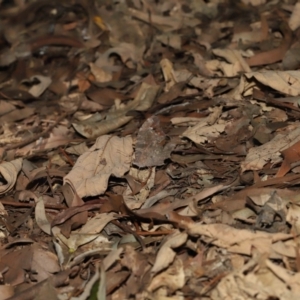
x=173 y=277
x=166 y=254
x=39 y=84
x=205 y=128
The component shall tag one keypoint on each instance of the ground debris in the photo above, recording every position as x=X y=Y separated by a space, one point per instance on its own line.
x=149 y=150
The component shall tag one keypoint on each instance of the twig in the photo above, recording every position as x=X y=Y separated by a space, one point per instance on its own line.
x=37 y=136
x=155 y=233
x=24 y=204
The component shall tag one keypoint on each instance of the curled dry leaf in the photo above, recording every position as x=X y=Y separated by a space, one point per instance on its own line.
x=43 y=83
x=128 y=52
x=110 y=155
x=166 y=254
x=273 y=55
x=9 y=172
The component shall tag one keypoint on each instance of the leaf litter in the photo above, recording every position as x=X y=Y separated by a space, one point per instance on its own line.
x=149 y=149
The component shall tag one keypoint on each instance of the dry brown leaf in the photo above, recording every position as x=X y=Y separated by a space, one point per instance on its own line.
x=18 y=114
x=257 y=157
x=199 y=82
x=110 y=155
x=100 y=74
x=38 y=89
x=206 y=128
x=238 y=240
x=170 y=39
x=147 y=177
x=291 y=154
x=287 y=82
x=129 y=53
x=291 y=60
x=259 y=278
x=6 y=291
x=173 y=277
x=293 y=214
x=97 y=223
x=40 y=215
x=236 y=63
x=77 y=149
x=90 y=106
x=44 y=263
x=294 y=21
x=72 y=102
x=168 y=71
x=53 y=141
x=16 y=262
x=166 y=254
x=6 y=107
x=68 y=246
x=9 y=172
x=46 y=289
x=117 y=116
x=189 y=223
x=254 y=2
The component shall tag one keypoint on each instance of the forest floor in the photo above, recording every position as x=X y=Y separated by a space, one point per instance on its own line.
x=150 y=150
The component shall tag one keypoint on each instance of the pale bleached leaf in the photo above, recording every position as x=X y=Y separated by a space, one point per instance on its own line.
x=110 y=155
